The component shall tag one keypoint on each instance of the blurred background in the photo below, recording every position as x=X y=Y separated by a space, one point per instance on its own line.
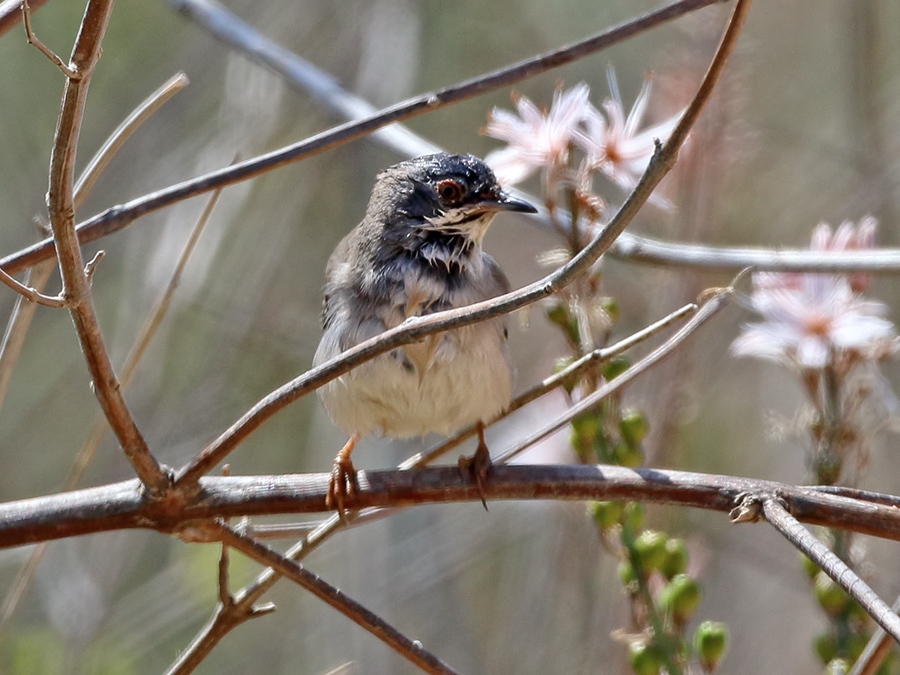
x=802 y=129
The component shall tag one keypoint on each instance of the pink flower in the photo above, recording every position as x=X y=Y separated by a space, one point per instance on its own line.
x=536 y=140
x=809 y=319
x=613 y=143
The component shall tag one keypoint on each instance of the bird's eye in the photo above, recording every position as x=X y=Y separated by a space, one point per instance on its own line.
x=450 y=191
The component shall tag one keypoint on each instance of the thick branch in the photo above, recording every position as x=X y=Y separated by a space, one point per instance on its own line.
x=122 y=505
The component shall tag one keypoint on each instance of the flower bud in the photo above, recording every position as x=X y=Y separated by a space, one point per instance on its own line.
x=645 y=659
x=615 y=367
x=633 y=426
x=676 y=558
x=679 y=598
x=710 y=642
x=606 y=514
x=650 y=547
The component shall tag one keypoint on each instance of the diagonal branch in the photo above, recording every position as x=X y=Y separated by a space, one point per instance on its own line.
x=325 y=89
x=876 y=650
x=779 y=517
x=418 y=327
x=120 y=216
x=568 y=374
x=706 y=312
x=76 y=285
x=335 y=598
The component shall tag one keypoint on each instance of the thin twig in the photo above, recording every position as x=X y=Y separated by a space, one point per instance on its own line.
x=411 y=650
x=17 y=328
x=641 y=249
x=118 y=217
x=328 y=91
x=706 y=312
x=778 y=516
x=31 y=294
x=11 y=12
x=123 y=132
x=22 y=314
x=568 y=374
x=876 y=649
x=44 y=49
x=415 y=328
x=75 y=286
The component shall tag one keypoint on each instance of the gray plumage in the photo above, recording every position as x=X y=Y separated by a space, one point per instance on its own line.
x=418 y=251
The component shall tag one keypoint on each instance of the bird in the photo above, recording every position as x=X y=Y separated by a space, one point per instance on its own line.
x=417 y=250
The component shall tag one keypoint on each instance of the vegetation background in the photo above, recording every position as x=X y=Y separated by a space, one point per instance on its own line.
x=804 y=129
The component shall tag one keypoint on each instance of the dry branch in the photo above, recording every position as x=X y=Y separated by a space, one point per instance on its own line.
x=124 y=506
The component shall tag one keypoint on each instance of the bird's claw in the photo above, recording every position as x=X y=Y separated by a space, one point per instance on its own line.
x=477 y=466
x=342 y=484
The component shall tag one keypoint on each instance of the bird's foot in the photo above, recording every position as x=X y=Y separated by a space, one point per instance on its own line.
x=343 y=479
x=478 y=466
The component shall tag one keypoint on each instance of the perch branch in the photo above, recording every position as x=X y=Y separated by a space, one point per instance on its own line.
x=123 y=506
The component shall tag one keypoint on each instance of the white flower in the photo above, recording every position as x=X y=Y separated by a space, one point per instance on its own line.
x=809 y=319
x=535 y=140
x=848 y=237
x=613 y=143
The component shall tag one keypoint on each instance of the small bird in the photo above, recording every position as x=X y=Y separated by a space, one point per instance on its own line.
x=417 y=251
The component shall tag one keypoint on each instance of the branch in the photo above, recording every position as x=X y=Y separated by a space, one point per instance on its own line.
x=120 y=216
x=11 y=13
x=593 y=399
x=779 y=517
x=416 y=328
x=324 y=88
x=568 y=374
x=31 y=294
x=876 y=649
x=76 y=285
x=641 y=249
x=122 y=505
x=335 y=598
x=44 y=49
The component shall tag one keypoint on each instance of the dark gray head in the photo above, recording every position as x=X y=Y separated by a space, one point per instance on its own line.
x=438 y=206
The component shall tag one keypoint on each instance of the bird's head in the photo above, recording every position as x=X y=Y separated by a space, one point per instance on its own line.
x=439 y=206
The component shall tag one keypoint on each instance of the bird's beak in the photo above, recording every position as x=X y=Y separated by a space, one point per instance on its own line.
x=506 y=202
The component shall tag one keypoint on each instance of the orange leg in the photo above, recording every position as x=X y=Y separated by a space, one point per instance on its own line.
x=478 y=464
x=343 y=478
